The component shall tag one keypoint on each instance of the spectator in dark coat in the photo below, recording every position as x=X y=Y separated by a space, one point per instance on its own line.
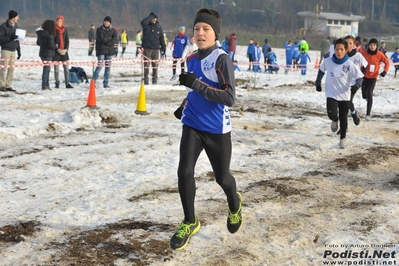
x=46 y=41
x=92 y=38
x=61 y=54
x=105 y=39
x=9 y=45
x=153 y=43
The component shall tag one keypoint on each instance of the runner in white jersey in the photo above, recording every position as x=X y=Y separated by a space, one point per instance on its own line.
x=359 y=60
x=341 y=74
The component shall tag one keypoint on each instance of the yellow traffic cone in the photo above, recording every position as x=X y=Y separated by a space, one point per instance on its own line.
x=141 y=106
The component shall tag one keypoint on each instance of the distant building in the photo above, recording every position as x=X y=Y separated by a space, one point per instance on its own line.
x=334 y=25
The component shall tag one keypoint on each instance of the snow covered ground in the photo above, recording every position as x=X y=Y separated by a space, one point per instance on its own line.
x=81 y=186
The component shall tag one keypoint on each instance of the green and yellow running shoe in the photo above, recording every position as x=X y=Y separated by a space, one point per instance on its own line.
x=234 y=220
x=180 y=239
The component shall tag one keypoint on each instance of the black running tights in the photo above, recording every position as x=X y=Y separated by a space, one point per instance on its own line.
x=332 y=111
x=218 y=150
x=368 y=86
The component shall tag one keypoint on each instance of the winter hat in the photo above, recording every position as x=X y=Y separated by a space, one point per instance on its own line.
x=12 y=14
x=108 y=18
x=209 y=19
x=373 y=40
x=182 y=28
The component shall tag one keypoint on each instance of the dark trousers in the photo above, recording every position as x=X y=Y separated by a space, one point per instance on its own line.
x=351 y=105
x=218 y=150
x=368 y=86
x=46 y=72
x=153 y=55
x=251 y=60
x=338 y=110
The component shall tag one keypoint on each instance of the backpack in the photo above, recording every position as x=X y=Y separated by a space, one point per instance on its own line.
x=80 y=74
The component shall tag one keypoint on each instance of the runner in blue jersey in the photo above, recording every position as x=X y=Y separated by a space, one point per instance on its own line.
x=206 y=124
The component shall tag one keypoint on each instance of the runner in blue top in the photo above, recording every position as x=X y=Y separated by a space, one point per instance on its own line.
x=206 y=125
x=303 y=61
x=395 y=60
x=180 y=42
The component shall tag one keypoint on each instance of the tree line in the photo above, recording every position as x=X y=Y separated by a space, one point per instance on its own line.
x=273 y=17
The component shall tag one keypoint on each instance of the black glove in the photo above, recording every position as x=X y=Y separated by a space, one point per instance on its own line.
x=19 y=54
x=318 y=88
x=179 y=110
x=187 y=79
x=12 y=38
x=162 y=52
x=383 y=73
x=363 y=69
x=354 y=88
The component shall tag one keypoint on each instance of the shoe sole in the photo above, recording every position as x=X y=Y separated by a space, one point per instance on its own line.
x=188 y=239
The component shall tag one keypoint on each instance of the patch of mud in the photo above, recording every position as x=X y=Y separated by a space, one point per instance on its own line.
x=282 y=187
x=16 y=233
x=394 y=183
x=365 y=225
x=153 y=194
x=133 y=242
x=374 y=155
x=360 y=205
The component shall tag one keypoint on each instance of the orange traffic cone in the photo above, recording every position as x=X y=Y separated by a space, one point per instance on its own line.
x=316 y=63
x=91 y=100
x=141 y=106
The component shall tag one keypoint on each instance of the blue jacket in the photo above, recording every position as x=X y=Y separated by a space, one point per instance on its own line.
x=395 y=57
x=256 y=54
x=303 y=58
x=251 y=48
x=272 y=57
x=295 y=51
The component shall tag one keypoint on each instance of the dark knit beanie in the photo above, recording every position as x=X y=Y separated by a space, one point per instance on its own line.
x=12 y=14
x=209 y=19
x=373 y=40
x=108 y=18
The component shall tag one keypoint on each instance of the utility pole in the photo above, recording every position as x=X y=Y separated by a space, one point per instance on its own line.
x=372 y=10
